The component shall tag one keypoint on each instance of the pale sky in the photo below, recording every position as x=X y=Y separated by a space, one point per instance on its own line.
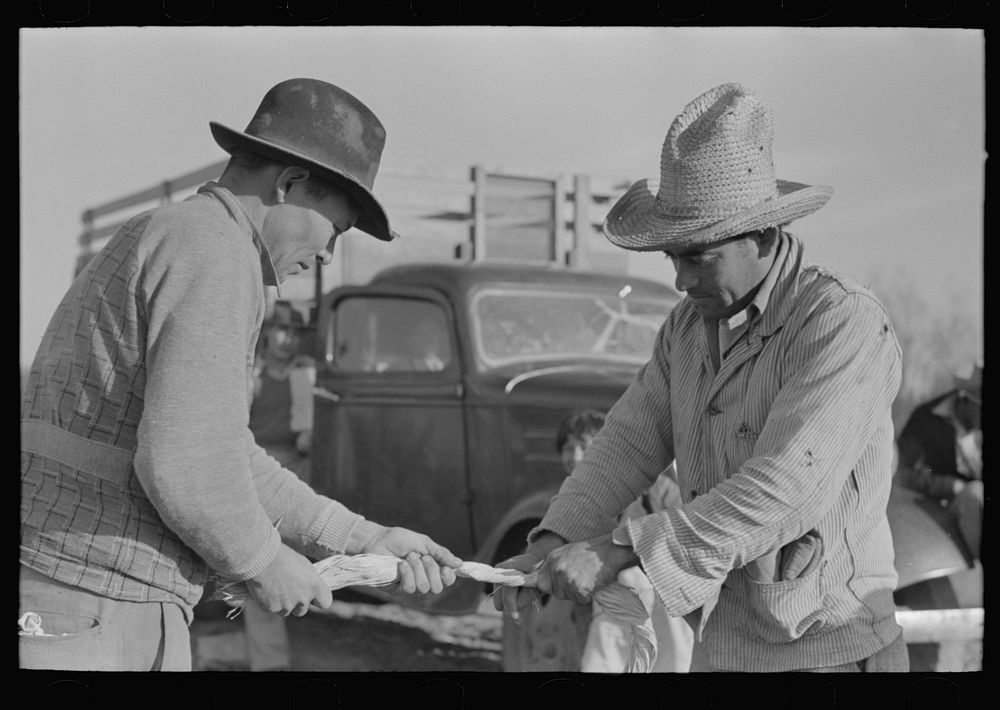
x=892 y=118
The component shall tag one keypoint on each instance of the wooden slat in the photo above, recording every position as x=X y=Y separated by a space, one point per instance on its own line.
x=512 y=221
x=478 y=212
x=608 y=186
x=582 y=218
x=934 y=625
x=136 y=198
x=87 y=239
x=446 y=203
x=422 y=173
x=198 y=177
x=182 y=182
x=427 y=205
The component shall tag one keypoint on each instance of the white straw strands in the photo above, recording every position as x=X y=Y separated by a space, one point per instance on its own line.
x=339 y=571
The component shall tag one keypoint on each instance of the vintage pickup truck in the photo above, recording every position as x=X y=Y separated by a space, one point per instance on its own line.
x=439 y=391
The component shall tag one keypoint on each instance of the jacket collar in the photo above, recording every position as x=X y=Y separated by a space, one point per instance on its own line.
x=781 y=299
x=759 y=303
x=246 y=217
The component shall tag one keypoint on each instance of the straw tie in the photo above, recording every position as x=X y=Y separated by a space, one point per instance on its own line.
x=617 y=600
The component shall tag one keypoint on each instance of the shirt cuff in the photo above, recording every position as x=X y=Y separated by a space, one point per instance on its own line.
x=263 y=560
x=675 y=579
x=621 y=535
x=332 y=529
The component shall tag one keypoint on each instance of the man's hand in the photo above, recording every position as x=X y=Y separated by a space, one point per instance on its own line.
x=511 y=600
x=289 y=585
x=425 y=565
x=576 y=571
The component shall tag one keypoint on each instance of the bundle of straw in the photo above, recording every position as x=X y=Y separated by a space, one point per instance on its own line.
x=339 y=571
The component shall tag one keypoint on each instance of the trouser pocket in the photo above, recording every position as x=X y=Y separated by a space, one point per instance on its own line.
x=60 y=627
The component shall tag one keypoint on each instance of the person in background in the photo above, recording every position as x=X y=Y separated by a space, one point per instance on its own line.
x=771 y=386
x=281 y=422
x=608 y=643
x=941 y=453
x=139 y=472
x=284 y=373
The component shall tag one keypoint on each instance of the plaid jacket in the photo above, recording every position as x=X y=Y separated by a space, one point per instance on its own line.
x=792 y=433
x=138 y=470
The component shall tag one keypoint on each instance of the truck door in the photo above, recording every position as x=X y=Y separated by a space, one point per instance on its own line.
x=389 y=439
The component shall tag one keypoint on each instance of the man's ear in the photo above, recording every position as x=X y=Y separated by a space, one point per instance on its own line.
x=767 y=241
x=287 y=179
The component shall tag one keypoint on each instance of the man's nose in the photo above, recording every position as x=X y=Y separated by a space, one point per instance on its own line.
x=326 y=256
x=685 y=279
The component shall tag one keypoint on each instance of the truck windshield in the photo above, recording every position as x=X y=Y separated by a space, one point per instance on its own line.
x=512 y=324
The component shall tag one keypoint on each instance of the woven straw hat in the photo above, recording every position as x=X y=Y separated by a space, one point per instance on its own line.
x=716 y=179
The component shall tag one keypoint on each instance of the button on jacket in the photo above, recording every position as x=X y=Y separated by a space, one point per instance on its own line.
x=138 y=470
x=792 y=433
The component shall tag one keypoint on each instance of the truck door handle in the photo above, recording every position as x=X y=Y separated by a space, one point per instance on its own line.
x=323 y=393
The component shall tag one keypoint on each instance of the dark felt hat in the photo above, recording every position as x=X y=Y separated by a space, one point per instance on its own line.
x=286 y=314
x=325 y=129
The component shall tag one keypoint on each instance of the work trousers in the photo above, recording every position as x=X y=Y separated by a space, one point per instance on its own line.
x=82 y=631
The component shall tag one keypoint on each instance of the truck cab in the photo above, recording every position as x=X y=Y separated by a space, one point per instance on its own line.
x=440 y=388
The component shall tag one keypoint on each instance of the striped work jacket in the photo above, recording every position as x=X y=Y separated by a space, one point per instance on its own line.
x=792 y=433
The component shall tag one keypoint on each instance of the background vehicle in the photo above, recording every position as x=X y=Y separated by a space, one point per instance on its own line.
x=462 y=446
x=939 y=596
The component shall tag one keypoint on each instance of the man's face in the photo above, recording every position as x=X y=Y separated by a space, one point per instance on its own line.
x=719 y=277
x=572 y=451
x=282 y=343
x=303 y=227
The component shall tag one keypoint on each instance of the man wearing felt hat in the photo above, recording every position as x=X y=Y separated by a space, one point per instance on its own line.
x=770 y=387
x=139 y=473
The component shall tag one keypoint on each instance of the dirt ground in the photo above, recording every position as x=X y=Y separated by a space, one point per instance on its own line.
x=356 y=636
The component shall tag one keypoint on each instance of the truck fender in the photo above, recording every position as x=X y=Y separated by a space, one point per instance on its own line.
x=927 y=543
x=530 y=508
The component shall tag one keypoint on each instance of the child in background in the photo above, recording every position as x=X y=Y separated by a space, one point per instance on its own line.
x=608 y=640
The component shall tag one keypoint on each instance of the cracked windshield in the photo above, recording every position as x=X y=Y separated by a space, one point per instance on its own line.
x=514 y=325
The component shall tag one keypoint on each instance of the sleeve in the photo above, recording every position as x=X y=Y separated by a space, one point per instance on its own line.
x=199 y=290
x=633 y=447
x=308 y=522
x=841 y=372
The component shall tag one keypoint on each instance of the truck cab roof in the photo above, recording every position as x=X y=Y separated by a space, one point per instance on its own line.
x=464 y=276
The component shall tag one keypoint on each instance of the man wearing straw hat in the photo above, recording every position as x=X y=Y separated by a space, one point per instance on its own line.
x=139 y=473
x=770 y=386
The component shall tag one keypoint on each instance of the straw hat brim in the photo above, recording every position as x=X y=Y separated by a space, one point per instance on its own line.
x=633 y=223
x=372 y=220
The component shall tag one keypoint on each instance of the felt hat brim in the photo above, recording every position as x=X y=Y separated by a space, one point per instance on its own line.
x=372 y=220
